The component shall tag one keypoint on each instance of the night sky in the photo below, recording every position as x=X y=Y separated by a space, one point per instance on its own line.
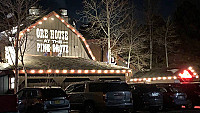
x=166 y=7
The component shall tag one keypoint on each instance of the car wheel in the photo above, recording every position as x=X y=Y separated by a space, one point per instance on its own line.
x=89 y=108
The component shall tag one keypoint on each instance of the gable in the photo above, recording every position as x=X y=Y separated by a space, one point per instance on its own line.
x=53 y=36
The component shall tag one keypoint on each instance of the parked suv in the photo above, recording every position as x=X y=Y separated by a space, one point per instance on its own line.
x=173 y=97
x=92 y=96
x=40 y=100
x=192 y=89
x=146 y=97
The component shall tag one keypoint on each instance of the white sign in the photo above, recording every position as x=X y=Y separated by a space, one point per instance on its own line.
x=52 y=40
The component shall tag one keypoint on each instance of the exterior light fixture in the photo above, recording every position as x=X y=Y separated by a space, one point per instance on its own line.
x=41 y=71
x=57 y=16
x=49 y=71
x=40 y=22
x=32 y=71
x=93 y=71
x=118 y=71
x=57 y=71
x=99 y=71
x=64 y=71
x=86 y=71
x=79 y=71
x=72 y=71
x=112 y=71
x=45 y=18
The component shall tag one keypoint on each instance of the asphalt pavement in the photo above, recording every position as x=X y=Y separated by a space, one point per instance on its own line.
x=170 y=111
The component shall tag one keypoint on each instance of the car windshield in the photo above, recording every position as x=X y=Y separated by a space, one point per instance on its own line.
x=175 y=90
x=108 y=87
x=148 y=88
x=53 y=92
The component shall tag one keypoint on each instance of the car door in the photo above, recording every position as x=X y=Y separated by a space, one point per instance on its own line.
x=76 y=95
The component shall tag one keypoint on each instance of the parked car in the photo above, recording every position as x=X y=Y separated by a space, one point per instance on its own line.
x=146 y=96
x=93 y=96
x=42 y=100
x=192 y=89
x=173 y=97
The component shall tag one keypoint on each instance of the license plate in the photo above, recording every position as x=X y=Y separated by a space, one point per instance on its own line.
x=154 y=94
x=57 y=101
x=180 y=97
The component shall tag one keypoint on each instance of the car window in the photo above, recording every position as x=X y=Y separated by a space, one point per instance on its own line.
x=69 y=88
x=79 y=88
x=97 y=87
x=108 y=87
x=31 y=93
x=117 y=87
x=173 y=89
x=53 y=92
x=163 y=90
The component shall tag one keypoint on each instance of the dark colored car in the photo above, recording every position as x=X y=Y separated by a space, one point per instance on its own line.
x=146 y=96
x=173 y=97
x=92 y=96
x=192 y=89
x=43 y=100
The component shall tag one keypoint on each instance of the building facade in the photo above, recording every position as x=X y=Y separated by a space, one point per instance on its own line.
x=56 y=54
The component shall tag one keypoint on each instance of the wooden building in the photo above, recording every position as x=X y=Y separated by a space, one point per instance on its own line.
x=57 y=54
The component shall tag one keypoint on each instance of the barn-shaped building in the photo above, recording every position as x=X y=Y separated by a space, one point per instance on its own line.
x=57 y=54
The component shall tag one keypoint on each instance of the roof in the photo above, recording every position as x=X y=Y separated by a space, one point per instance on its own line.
x=39 y=21
x=60 y=63
x=153 y=73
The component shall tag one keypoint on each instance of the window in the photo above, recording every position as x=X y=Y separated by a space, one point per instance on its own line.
x=79 y=88
x=12 y=83
x=31 y=93
x=70 y=88
x=96 y=87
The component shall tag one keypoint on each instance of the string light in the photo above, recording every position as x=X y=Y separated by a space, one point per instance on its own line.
x=57 y=16
x=32 y=71
x=45 y=18
x=118 y=71
x=57 y=71
x=64 y=71
x=40 y=22
x=79 y=71
x=86 y=71
x=41 y=71
x=49 y=71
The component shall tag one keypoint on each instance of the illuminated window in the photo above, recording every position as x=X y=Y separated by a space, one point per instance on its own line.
x=12 y=83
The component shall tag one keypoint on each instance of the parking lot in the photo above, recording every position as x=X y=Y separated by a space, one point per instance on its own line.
x=171 y=111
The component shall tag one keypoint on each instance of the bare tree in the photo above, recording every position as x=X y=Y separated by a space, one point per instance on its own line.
x=167 y=36
x=151 y=9
x=14 y=14
x=107 y=18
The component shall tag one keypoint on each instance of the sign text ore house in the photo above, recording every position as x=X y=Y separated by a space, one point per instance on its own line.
x=52 y=40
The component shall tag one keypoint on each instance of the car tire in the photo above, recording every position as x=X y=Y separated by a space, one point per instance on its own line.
x=89 y=108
